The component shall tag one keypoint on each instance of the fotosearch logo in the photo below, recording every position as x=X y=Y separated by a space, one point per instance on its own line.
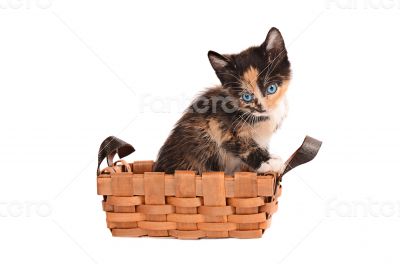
x=25 y=209
x=25 y=4
x=363 y=4
x=362 y=208
x=212 y=104
x=160 y=104
x=156 y=104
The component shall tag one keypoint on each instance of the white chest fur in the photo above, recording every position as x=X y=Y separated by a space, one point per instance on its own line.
x=263 y=131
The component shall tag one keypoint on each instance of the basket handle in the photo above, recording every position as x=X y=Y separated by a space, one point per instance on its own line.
x=305 y=153
x=111 y=146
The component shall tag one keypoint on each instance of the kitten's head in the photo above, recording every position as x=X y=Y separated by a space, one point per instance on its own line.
x=256 y=78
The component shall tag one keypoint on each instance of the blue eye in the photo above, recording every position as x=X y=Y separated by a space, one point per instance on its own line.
x=247 y=97
x=272 y=88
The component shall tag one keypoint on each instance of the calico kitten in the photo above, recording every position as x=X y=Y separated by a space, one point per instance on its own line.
x=229 y=127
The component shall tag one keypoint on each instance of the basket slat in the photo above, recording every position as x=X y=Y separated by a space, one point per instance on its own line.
x=214 y=189
x=265 y=185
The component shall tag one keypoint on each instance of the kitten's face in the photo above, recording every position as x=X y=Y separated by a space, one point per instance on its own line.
x=256 y=78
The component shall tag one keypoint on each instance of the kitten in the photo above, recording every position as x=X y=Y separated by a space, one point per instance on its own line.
x=228 y=127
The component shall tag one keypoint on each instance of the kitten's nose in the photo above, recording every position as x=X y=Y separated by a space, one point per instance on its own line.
x=259 y=108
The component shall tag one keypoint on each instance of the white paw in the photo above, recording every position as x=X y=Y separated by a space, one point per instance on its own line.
x=264 y=168
x=274 y=164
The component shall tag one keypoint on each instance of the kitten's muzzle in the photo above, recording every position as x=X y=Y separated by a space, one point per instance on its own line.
x=260 y=110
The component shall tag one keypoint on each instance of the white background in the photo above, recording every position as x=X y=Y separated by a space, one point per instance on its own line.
x=75 y=72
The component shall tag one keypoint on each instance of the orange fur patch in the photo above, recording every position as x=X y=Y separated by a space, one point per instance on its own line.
x=273 y=99
x=216 y=133
x=250 y=77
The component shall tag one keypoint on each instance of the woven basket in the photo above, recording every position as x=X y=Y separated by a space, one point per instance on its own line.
x=139 y=202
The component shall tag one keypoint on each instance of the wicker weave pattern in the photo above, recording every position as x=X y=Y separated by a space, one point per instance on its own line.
x=139 y=202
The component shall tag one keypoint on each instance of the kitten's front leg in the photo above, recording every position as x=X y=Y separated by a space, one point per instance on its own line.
x=251 y=154
x=275 y=163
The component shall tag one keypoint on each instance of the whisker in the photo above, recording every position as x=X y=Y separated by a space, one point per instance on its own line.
x=236 y=120
x=244 y=121
x=280 y=53
x=271 y=71
x=233 y=83
x=226 y=73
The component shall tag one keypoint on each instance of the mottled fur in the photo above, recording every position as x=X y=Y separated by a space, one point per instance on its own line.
x=222 y=132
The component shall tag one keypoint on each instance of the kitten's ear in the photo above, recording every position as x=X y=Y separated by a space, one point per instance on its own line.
x=274 y=43
x=219 y=62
